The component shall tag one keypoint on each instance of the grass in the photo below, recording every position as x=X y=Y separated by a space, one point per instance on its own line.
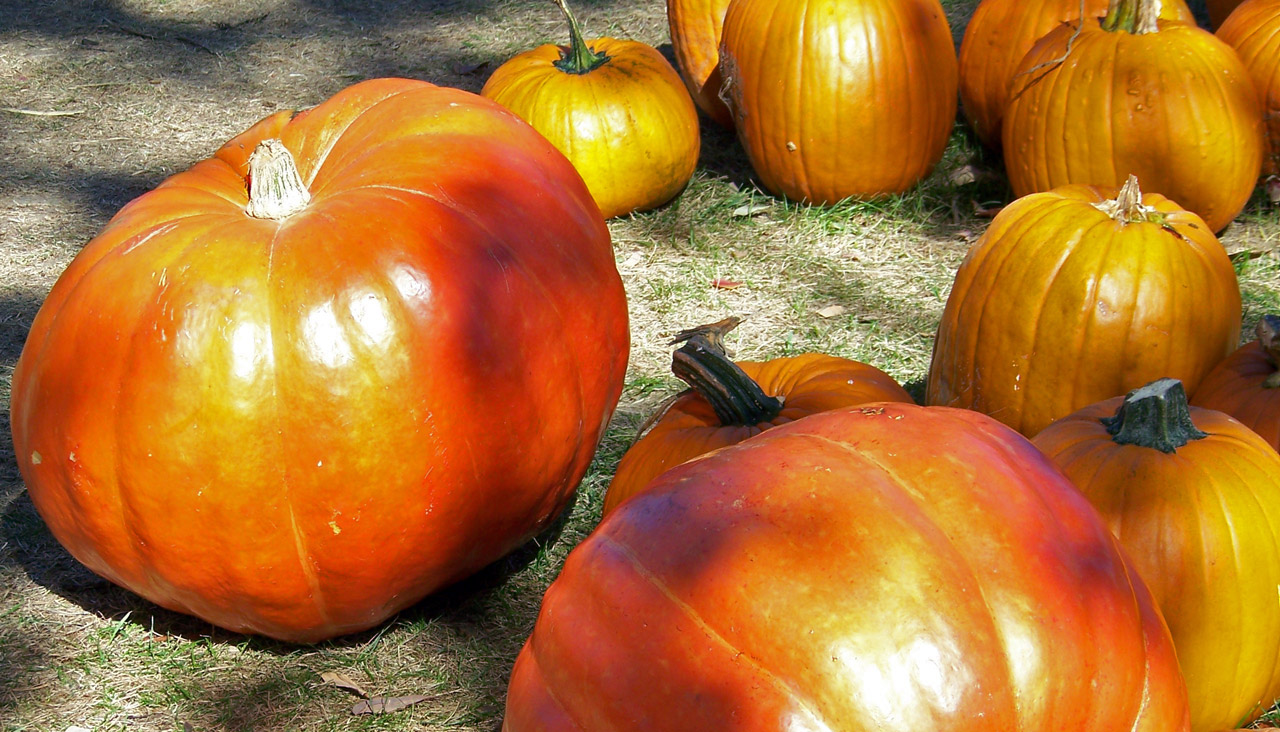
x=78 y=652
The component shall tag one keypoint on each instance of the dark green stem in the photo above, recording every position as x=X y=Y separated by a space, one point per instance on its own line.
x=579 y=58
x=1268 y=332
x=702 y=364
x=1155 y=416
x=1132 y=16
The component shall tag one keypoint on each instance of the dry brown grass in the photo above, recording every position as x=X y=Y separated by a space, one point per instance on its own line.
x=143 y=88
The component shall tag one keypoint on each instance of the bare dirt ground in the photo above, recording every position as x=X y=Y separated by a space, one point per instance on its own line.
x=100 y=100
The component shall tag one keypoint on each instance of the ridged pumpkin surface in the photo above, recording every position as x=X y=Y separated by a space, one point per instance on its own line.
x=1202 y=526
x=695 y=27
x=1175 y=107
x=997 y=37
x=298 y=427
x=1253 y=30
x=1060 y=305
x=834 y=99
x=889 y=567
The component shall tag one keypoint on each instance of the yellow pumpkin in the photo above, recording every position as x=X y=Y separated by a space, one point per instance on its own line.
x=616 y=108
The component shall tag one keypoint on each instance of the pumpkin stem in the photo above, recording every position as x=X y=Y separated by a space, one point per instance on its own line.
x=276 y=191
x=1155 y=416
x=1268 y=332
x=702 y=364
x=578 y=58
x=1132 y=16
x=1127 y=207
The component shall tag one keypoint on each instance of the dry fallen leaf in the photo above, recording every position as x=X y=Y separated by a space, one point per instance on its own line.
x=751 y=209
x=831 y=311
x=342 y=681
x=387 y=704
x=720 y=283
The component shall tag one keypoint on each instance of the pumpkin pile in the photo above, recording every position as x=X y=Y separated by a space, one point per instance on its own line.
x=370 y=347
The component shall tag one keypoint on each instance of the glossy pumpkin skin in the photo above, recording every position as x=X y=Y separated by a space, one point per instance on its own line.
x=872 y=110
x=628 y=125
x=695 y=38
x=296 y=428
x=887 y=567
x=1136 y=104
x=1253 y=30
x=1059 y=305
x=807 y=384
x=1202 y=526
x=1245 y=385
x=997 y=37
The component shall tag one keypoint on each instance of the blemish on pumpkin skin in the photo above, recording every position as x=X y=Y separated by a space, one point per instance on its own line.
x=36 y=459
x=334 y=525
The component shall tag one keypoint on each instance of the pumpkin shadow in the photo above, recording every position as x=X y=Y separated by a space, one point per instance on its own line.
x=29 y=545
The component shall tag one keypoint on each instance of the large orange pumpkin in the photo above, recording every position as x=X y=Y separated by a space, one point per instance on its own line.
x=294 y=400
x=886 y=567
x=614 y=107
x=1194 y=497
x=997 y=37
x=730 y=401
x=833 y=99
x=1133 y=95
x=695 y=27
x=1246 y=384
x=1078 y=295
x=1253 y=30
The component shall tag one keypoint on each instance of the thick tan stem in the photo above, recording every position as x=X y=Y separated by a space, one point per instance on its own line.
x=1127 y=206
x=276 y=190
x=1132 y=16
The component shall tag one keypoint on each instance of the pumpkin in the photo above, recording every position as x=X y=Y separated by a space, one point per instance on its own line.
x=1254 y=32
x=884 y=567
x=1194 y=498
x=614 y=107
x=301 y=385
x=997 y=37
x=1246 y=385
x=1080 y=294
x=729 y=402
x=1221 y=10
x=695 y=39
x=834 y=99
x=1167 y=102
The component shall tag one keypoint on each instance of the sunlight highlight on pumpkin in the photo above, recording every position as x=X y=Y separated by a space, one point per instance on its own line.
x=323 y=339
x=370 y=313
x=250 y=350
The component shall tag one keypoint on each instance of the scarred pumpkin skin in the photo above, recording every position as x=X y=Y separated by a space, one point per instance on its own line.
x=296 y=428
x=833 y=99
x=695 y=27
x=1201 y=524
x=886 y=567
x=1173 y=106
x=628 y=124
x=806 y=384
x=997 y=37
x=1253 y=30
x=1060 y=305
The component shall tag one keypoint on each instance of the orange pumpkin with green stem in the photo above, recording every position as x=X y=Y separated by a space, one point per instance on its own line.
x=731 y=401
x=1130 y=94
x=614 y=107
x=1194 y=498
